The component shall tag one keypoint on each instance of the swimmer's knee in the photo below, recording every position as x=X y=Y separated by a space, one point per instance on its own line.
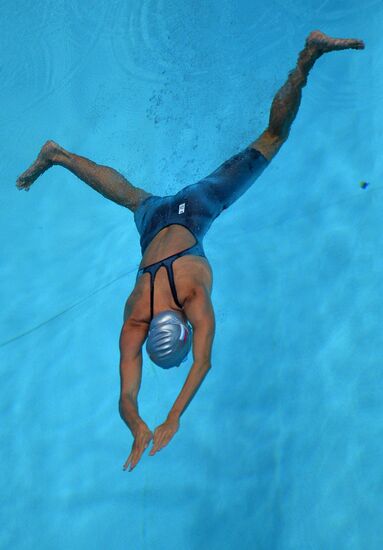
x=269 y=143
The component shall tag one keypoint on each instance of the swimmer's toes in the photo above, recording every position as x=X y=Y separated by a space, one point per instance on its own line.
x=41 y=164
x=360 y=45
x=28 y=177
x=353 y=43
x=23 y=183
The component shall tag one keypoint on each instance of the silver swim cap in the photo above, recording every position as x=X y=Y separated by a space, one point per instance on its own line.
x=169 y=339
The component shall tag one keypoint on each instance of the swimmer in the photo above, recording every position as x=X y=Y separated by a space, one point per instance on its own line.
x=177 y=314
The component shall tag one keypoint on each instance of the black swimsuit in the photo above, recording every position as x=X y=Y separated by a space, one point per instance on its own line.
x=195 y=207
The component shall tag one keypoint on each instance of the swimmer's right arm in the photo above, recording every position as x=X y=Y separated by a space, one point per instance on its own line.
x=132 y=337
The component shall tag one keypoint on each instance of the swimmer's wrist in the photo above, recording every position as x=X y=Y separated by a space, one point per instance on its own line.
x=129 y=414
x=174 y=415
x=137 y=425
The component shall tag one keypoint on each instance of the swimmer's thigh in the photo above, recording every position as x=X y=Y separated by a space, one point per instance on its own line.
x=234 y=177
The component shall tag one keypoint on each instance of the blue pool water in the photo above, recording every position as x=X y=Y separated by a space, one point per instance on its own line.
x=281 y=449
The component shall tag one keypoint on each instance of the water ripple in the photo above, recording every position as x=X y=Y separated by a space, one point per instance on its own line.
x=338 y=10
x=37 y=48
x=156 y=40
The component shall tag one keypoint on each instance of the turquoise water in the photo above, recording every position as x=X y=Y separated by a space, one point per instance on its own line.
x=281 y=448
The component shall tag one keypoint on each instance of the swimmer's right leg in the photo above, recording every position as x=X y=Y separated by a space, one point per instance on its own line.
x=107 y=181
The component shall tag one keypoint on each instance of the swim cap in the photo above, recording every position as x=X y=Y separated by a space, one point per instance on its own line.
x=169 y=339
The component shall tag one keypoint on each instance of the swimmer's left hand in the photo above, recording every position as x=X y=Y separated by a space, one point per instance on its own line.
x=163 y=434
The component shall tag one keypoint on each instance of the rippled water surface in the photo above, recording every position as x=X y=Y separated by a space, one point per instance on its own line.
x=281 y=447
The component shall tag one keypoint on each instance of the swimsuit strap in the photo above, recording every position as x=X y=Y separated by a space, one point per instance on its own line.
x=169 y=269
x=168 y=264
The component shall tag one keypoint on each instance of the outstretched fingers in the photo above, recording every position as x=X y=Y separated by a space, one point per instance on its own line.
x=134 y=458
x=158 y=444
x=162 y=435
x=140 y=444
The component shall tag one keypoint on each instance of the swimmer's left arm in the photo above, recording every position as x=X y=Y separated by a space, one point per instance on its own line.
x=201 y=315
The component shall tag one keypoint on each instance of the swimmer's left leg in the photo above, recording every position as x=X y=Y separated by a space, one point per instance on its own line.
x=230 y=180
x=287 y=100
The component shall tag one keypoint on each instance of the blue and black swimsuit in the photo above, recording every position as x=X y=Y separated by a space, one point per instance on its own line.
x=195 y=207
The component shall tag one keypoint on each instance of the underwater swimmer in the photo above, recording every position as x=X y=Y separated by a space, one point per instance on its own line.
x=176 y=314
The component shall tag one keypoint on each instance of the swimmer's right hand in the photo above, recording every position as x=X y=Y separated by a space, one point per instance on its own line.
x=142 y=437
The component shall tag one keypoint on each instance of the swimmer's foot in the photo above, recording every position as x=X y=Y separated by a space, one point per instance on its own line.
x=324 y=43
x=44 y=160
